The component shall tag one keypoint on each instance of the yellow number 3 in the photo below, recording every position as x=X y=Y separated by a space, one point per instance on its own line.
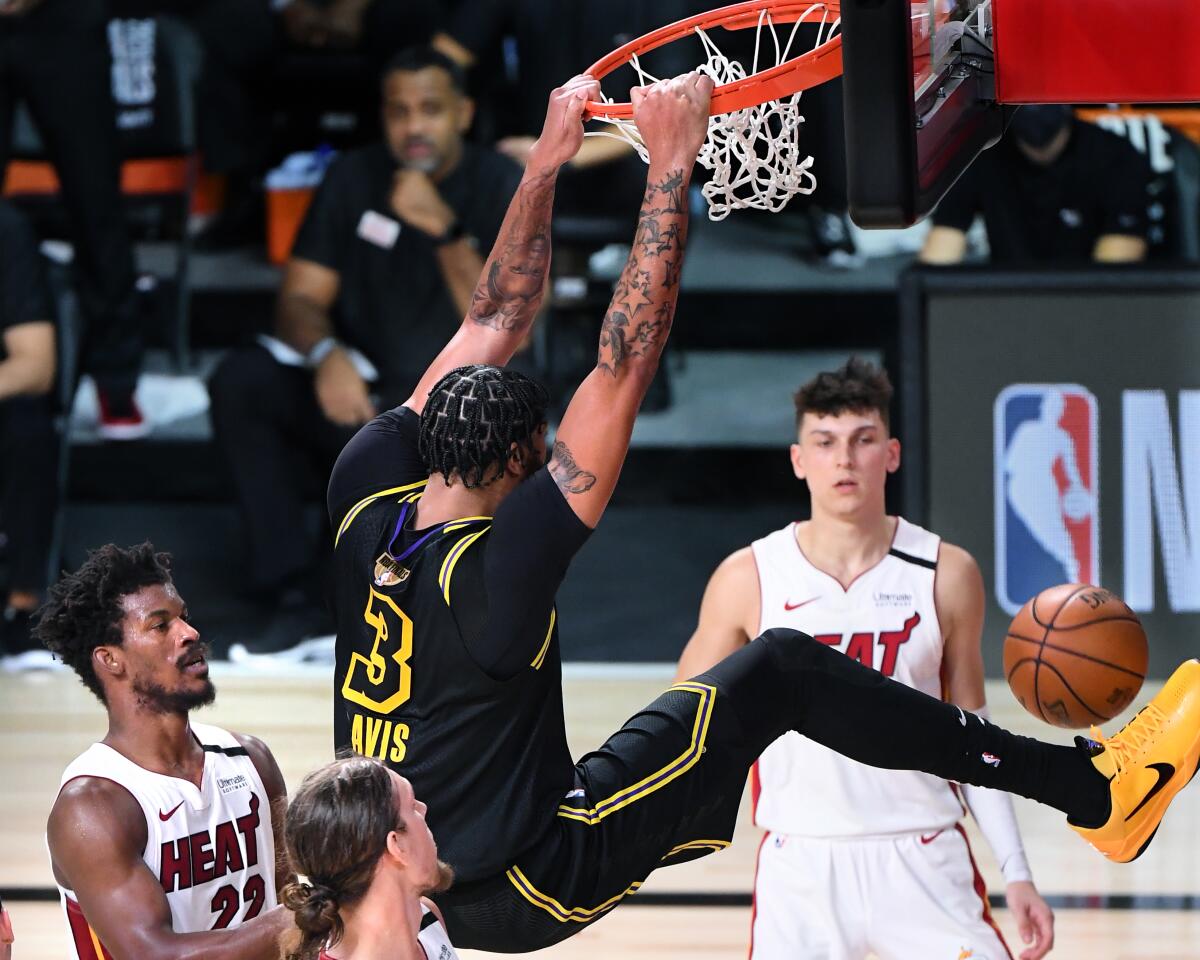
x=371 y=672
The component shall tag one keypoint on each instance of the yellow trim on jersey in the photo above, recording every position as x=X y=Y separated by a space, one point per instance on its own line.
x=459 y=524
x=660 y=778
x=453 y=557
x=96 y=944
x=354 y=511
x=556 y=909
x=541 y=654
x=714 y=845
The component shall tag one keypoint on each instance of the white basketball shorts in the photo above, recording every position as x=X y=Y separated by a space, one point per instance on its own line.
x=913 y=897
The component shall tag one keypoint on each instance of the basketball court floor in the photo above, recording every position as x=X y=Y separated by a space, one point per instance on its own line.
x=1140 y=911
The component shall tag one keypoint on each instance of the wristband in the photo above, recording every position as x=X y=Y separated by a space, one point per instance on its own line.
x=316 y=356
x=455 y=232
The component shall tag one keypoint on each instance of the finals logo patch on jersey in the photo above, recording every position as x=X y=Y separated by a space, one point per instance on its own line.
x=388 y=572
x=1046 y=490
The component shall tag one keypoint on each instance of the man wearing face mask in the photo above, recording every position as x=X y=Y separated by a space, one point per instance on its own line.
x=379 y=278
x=1054 y=189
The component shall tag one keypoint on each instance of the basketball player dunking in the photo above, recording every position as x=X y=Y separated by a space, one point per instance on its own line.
x=453 y=533
x=844 y=840
x=162 y=838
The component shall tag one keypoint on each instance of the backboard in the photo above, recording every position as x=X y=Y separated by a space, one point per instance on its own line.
x=931 y=83
x=928 y=85
x=920 y=102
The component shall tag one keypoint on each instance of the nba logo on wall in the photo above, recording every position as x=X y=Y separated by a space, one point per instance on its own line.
x=1047 y=522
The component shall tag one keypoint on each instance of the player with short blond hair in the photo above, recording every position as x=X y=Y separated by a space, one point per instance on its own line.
x=844 y=840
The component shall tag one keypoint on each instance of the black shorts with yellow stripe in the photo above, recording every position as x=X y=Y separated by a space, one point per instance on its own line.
x=664 y=789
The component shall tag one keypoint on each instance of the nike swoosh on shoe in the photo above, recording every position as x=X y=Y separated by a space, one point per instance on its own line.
x=1165 y=772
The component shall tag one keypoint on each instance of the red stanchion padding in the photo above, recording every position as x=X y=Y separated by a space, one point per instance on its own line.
x=1097 y=51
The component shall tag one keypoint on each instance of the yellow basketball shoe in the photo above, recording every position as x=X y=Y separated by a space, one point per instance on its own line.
x=1150 y=760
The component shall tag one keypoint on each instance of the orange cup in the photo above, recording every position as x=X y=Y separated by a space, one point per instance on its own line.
x=285 y=212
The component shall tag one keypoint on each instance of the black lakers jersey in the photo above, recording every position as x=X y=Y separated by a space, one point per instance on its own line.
x=485 y=751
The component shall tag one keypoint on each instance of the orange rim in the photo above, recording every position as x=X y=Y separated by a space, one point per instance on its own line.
x=799 y=73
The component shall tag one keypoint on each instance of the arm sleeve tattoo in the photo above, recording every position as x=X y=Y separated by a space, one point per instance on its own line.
x=510 y=287
x=643 y=304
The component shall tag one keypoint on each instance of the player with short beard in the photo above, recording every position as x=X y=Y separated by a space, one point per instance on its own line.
x=162 y=838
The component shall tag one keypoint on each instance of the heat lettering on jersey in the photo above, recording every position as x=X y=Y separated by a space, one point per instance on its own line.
x=861 y=646
x=382 y=739
x=211 y=854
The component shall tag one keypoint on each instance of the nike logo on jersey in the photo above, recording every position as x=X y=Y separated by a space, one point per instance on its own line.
x=1165 y=772
x=931 y=837
x=962 y=717
x=164 y=817
x=796 y=606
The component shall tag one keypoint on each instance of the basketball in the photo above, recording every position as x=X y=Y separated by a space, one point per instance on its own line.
x=1075 y=655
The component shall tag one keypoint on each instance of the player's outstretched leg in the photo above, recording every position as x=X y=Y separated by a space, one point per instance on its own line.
x=786 y=680
x=1150 y=760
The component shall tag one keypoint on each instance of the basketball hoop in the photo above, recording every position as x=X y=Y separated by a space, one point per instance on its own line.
x=753 y=145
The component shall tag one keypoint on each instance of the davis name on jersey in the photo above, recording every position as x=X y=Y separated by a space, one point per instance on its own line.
x=885 y=619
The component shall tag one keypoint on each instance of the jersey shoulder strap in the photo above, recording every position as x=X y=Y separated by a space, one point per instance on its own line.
x=915 y=545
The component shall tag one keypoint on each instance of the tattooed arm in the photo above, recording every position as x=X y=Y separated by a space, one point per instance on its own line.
x=593 y=439
x=509 y=290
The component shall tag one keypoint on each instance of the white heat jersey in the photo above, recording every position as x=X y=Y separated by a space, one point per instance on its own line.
x=433 y=938
x=211 y=848
x=887 y=621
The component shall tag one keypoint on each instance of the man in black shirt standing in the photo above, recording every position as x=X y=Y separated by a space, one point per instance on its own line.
x=1055 y=189
x=28 y=440
x=381 y=273
x=55 y=55
x=453 y=533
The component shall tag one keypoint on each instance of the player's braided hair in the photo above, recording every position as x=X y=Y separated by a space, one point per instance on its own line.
x=473 y=417
x=84 y=609
x=857 y=386
x=336 y=830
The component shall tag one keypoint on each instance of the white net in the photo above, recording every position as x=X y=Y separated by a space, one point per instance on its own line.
x=753 y=155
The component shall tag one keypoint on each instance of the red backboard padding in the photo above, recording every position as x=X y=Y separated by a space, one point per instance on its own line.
x=1097 y=51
